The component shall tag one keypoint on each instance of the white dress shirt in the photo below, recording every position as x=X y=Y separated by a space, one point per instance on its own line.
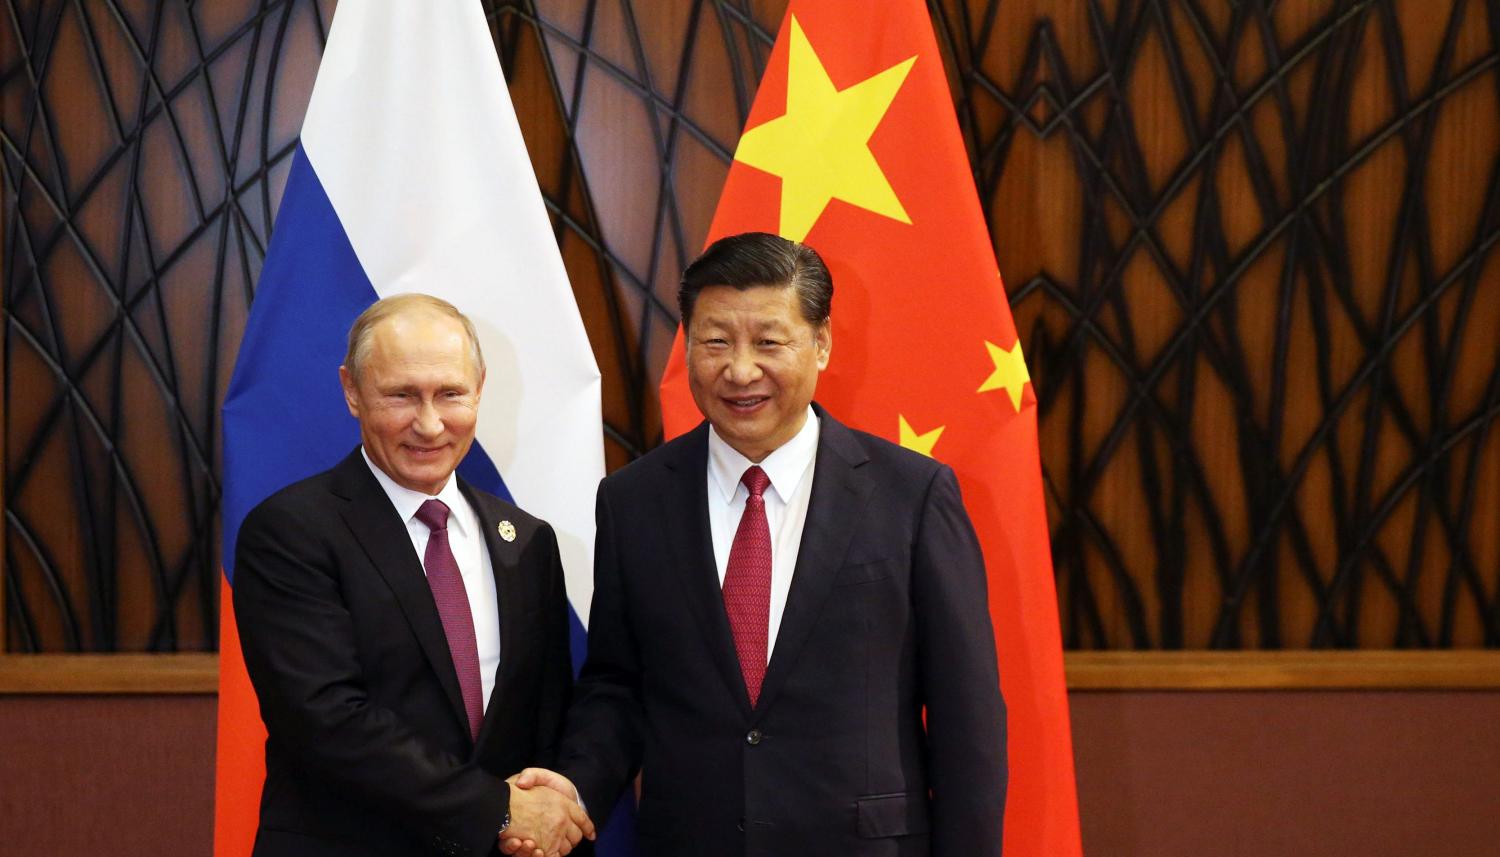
x=790 y=468
x=467 y=541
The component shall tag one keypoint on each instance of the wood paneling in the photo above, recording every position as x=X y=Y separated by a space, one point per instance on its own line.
x=1159 y=773
x=143 y=146
x=129 y=776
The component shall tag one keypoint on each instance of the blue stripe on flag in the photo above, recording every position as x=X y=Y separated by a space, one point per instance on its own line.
x=284 y=414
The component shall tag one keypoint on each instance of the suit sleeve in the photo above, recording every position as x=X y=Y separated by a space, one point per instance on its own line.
x=603 y=747
x=959 y=677
x=300 y=650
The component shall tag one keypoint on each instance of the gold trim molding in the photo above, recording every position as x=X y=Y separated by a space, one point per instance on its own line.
x=1453 y=669
x=110 y=674
x=1477 y=669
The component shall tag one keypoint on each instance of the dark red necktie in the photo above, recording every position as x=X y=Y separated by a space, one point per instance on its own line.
x=747 y=583
x=453 y=610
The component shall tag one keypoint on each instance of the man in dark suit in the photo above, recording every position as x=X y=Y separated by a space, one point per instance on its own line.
x=790 y=637
x=406 y=633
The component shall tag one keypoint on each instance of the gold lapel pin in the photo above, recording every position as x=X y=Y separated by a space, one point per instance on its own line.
x=507 y=530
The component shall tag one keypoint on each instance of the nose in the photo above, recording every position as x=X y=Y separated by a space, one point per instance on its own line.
x=742 y=368
x=428 y=422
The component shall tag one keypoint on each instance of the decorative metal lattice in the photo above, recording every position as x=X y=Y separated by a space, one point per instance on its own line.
x=1265 y=344
x=1249 y=247
x=144 y=149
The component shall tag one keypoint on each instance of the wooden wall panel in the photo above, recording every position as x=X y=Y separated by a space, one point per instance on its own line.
x=142 y=148
x=1159 y=774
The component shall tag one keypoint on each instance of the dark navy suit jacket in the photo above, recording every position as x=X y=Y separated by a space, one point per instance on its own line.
x=369 y=750
x=880 y=728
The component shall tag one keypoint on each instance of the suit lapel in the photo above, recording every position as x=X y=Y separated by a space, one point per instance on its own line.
x=684 y=510
x=505 y=559
x=382 y=536
x=839 y=491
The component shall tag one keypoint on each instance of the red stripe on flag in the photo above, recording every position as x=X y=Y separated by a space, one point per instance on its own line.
x=923 y=340
x=241 y=761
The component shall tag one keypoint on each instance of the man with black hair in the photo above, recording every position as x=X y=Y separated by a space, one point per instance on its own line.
x=790 y=637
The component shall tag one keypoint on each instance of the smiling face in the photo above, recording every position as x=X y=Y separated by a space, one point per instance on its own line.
x=753 y=364
x=416 y=398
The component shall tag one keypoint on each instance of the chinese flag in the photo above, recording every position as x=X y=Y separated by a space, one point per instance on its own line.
x=852 y=147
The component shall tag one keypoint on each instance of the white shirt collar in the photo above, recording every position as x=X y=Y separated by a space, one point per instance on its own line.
x=407 y=501
x=786 y=465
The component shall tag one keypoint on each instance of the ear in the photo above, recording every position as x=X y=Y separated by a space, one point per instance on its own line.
x=351 y=393
x=824 y=340
x=479 y=388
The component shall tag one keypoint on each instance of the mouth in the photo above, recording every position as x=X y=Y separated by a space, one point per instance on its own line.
x=422 y=453
x=744 y=404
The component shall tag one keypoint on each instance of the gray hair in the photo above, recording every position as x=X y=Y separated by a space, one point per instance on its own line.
x=374 y=314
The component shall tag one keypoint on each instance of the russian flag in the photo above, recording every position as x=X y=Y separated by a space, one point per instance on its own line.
x=411 y=176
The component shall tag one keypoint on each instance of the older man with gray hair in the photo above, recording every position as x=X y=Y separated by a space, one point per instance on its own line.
x=406 y=633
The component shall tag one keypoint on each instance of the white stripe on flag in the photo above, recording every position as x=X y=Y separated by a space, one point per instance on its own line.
x=412 y=132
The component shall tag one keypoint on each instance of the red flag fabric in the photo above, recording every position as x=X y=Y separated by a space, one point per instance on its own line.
x=241 y=759
x=852 y=146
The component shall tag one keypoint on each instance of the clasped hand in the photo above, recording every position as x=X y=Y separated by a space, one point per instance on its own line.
x=546 y=819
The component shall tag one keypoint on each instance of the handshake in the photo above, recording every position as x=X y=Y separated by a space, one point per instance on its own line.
x=546 y=819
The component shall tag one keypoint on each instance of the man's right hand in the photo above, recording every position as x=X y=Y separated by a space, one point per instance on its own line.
x=548 y=820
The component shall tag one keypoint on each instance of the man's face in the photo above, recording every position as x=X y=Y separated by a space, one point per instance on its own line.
x=417 y=398
x=753 y=364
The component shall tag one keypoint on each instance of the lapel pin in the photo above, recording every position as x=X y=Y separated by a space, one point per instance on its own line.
x=507 y=530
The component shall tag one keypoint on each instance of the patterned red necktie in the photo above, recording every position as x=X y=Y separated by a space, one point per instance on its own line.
x=747 y=583
x=453 y=609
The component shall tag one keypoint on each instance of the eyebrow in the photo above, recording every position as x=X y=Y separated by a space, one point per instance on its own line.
x=463 y=387
x=710 y=321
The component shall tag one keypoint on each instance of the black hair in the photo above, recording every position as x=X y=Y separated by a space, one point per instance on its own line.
x=753 y=259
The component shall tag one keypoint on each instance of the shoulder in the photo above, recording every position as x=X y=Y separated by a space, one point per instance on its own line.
x=302 y=500
x=648 y=473
x=493 y=505
x=881 y=458
x=495 y=511
x=303 y=520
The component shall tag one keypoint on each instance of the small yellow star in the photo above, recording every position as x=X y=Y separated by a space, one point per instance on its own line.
x=922 y=443
x=821 y=146
x=1010 y=372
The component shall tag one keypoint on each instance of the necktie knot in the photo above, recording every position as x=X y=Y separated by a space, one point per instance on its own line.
x=756 y=480
x=434 y=513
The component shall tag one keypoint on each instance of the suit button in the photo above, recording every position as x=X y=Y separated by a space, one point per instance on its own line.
x=741 y=825
x=753 y=737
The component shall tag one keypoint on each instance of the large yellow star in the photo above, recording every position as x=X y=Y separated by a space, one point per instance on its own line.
x=922 y=443
x=1010 y=372
x=821 y=147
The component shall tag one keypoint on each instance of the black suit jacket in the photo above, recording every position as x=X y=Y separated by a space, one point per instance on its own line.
x=886 y=622
x=369 y=749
